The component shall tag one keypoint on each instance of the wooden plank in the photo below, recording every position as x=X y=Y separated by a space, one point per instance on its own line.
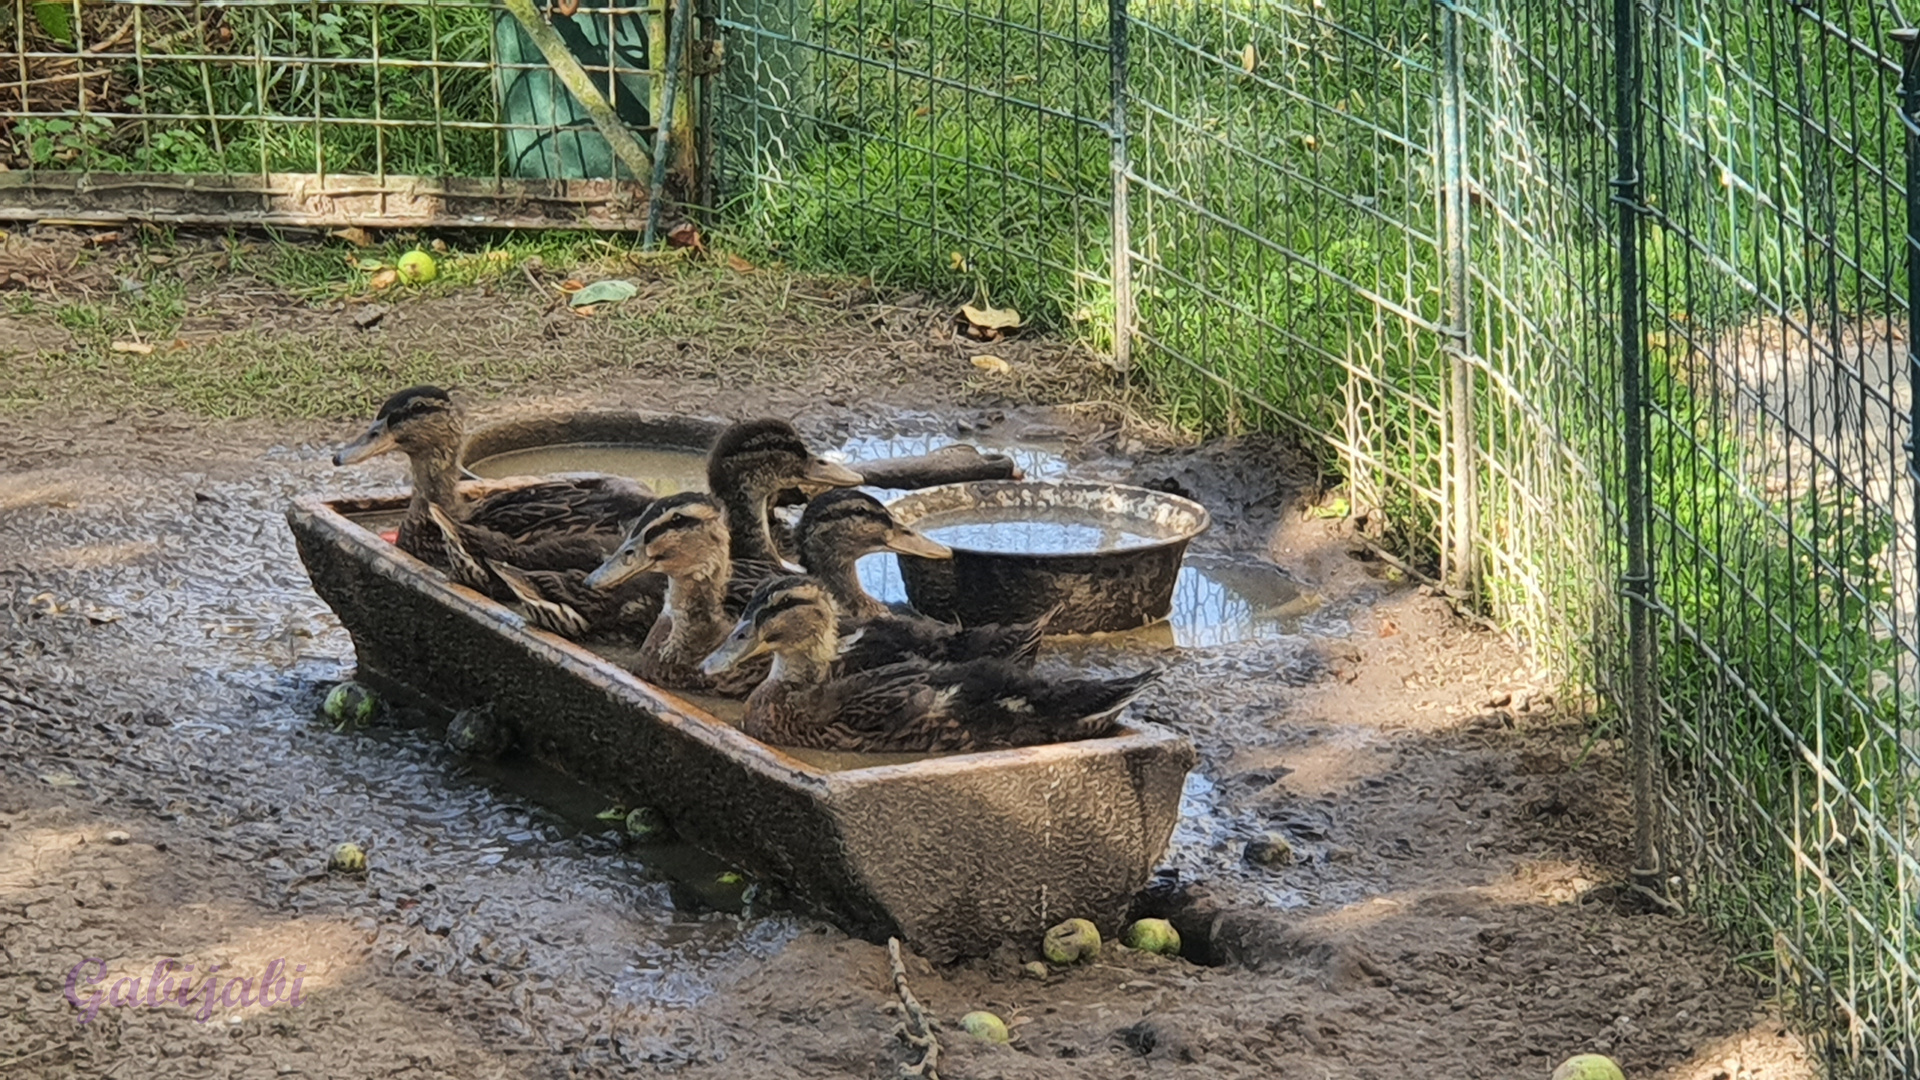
x=314 y=201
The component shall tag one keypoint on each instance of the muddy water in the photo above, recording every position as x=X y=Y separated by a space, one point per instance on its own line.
x=667 y=470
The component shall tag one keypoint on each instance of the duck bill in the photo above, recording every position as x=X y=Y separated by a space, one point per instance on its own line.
x=614 y=571
x=908 y=542
x=736 y=651
x=373 y=442
x=831 y=474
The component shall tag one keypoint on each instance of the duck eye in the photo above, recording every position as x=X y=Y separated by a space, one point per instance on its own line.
x=627 y=556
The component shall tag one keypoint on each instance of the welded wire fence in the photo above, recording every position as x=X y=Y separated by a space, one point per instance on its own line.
x=401 y=99
x=1601 y=308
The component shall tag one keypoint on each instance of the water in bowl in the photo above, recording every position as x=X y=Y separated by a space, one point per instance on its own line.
x=667 y=470
x=1055 y=530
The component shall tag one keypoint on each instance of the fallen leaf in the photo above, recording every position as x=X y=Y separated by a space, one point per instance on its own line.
x=1334 y=508
x=385 y=279
x=105 y=238
x=353 y=235
x=611 y=291
x=1388 y=628
x=439 y=247
x=740 y=265
x=991 y=318
x=957 y=261
x=138 y=348
x=572 y=285
x=922 y=111
x=1249 y=59
x=992 y=364
x=686 y=235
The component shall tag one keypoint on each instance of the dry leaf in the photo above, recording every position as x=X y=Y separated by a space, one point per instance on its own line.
x=353 y=235
x=991 y=318
x=922 y=111
x=385 y=278
x=572 y=285
x=138 y=348
x=1249 y=59
x=686 y=235
x=992 y=364
x=1388 y=628
x=439 y=247
x=740 y=265
x=104 y=238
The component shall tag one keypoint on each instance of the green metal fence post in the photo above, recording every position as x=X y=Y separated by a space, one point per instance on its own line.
x=1909 y=39
x=1637 y=582
x=1457 y=318
x=1123 y=314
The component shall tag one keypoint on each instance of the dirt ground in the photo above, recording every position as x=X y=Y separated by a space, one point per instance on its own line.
x=166 y=792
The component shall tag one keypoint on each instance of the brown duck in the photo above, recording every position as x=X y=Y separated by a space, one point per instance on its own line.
x=556 y=524
x=911 y=706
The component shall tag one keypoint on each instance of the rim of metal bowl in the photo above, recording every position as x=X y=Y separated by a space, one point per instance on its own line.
x=1203 y=519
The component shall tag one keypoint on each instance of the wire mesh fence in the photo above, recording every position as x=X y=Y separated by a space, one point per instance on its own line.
x=1599 y=308
x=403 y=98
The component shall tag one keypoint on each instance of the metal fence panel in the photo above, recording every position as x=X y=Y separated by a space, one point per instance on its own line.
x=361 y=111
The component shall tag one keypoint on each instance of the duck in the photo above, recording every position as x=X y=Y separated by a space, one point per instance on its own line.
x=609 y=599
x=914 y=706
x=683 y=537
x=837 y=529
x=554 y=524
x=751 y=463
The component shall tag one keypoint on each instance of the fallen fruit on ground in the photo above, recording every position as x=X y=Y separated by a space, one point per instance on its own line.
x=1071 y=942
x=417 y=268
x=1152 y=935
x=351 y=703
x=984 y=1025
x=1588 y=1067
x=347 y=859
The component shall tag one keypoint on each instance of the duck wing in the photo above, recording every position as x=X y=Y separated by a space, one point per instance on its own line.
x=561 y=602
x=966 y=707
x=589 y=504
x=889 y=639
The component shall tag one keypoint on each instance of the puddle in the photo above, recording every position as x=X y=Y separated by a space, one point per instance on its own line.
x=1217 y=600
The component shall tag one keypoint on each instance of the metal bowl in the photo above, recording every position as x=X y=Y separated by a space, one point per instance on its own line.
x=1100 y=591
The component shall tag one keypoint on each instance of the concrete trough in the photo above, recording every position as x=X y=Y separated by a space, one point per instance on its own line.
x=953 y=854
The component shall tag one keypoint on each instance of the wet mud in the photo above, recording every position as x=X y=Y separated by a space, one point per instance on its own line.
x=1393 y=853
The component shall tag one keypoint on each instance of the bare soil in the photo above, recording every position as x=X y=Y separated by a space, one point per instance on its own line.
x=1451 y=905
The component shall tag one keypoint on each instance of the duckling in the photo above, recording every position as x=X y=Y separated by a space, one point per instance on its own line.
x=752 y=462
x=913 y=706
x=838 y=528
x=684 y=538
x=559 y=601
x=550 y=525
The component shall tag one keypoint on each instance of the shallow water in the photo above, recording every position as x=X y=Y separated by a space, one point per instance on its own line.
x=667 y=470
x=1057 y=530
x=1216 y=601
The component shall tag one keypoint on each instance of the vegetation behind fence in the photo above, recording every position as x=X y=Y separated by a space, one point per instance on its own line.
x=1395 y=228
